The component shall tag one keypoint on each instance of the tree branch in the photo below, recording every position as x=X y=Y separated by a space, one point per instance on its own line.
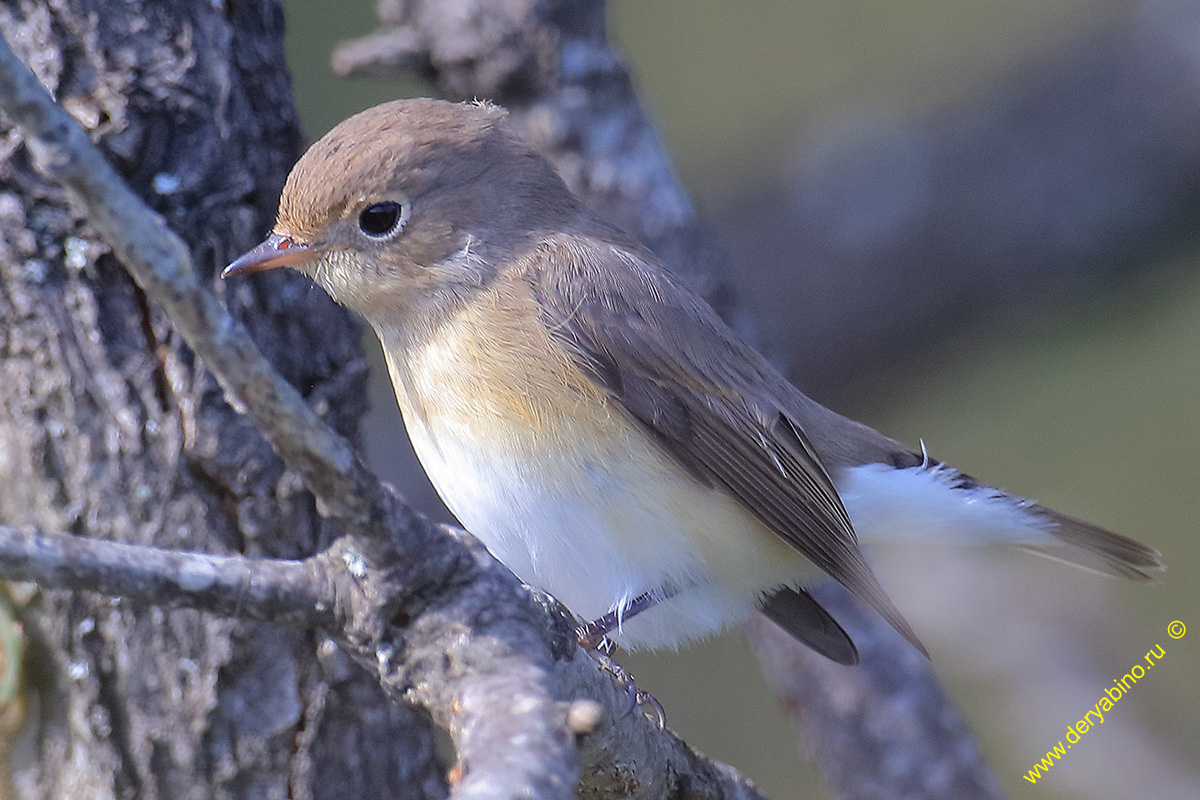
x=885 y=686
x=159 y=262
x=893 y=232
x=483 y=705
x=426 y=607
x=271 y=590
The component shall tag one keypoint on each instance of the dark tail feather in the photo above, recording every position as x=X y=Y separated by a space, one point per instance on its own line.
x=1086 y=545
x=798 y=613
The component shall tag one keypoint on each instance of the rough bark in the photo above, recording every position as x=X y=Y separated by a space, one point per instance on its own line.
x=424 y=607
x=111 y=428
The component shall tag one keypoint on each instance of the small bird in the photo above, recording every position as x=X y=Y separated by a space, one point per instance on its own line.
x=591 y=419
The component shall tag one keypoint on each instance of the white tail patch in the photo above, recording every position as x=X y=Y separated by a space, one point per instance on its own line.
x=924 y=503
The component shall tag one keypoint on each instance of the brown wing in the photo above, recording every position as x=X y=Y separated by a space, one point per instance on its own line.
x=707 y=398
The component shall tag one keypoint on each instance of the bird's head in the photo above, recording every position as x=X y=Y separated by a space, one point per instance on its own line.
x=412 y=200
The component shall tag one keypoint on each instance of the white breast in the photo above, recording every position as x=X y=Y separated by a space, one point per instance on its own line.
x=585 y=507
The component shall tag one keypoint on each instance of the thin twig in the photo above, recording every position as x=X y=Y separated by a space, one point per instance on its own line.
x=233 y=586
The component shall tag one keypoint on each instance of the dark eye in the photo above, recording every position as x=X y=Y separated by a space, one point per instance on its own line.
x=381 y=220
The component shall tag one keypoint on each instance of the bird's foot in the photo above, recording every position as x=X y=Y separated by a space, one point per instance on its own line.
x=592 y=637
x=600 y=648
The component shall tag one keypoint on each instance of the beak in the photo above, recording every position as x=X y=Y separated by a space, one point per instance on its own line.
x=276 y=251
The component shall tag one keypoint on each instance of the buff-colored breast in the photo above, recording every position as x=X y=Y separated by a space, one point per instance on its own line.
x=543 y=466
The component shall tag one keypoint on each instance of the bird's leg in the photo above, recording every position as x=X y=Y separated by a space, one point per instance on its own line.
x=592 y=634
x=593 y=638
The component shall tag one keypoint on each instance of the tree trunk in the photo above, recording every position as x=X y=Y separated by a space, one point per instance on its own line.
x=110 y=428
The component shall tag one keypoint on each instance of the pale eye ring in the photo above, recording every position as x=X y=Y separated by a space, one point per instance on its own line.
x=382 y=220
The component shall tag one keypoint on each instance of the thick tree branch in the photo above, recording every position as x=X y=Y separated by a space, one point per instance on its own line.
x=428 y=608
x=160 y=263
x=484 y=706
x=111 y=428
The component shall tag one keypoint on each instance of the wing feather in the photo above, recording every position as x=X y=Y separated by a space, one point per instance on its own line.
x=708 y=399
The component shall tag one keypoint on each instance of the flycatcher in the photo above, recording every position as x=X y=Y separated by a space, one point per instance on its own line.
x=590 y=418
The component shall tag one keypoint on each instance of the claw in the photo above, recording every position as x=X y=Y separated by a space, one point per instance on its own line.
x=593 y=638
x=660 y=713
x=618 y=673
x=636 y=697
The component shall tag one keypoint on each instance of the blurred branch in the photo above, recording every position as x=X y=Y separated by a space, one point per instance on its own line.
x=550 y=63
x=894 y=231
x=427 y=608
x=870 y=719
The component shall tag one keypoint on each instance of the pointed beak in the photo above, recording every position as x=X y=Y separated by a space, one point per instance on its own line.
x=276 y=251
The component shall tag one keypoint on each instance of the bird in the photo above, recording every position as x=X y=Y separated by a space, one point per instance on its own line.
x=591 y=419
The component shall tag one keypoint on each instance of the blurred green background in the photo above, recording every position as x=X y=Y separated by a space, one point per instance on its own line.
x=1093 y=408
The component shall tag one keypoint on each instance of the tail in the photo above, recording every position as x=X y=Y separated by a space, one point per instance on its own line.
x=934 y=502
x=1091 y=547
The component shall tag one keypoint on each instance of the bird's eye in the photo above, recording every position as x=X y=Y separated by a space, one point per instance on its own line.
x=382 y=220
